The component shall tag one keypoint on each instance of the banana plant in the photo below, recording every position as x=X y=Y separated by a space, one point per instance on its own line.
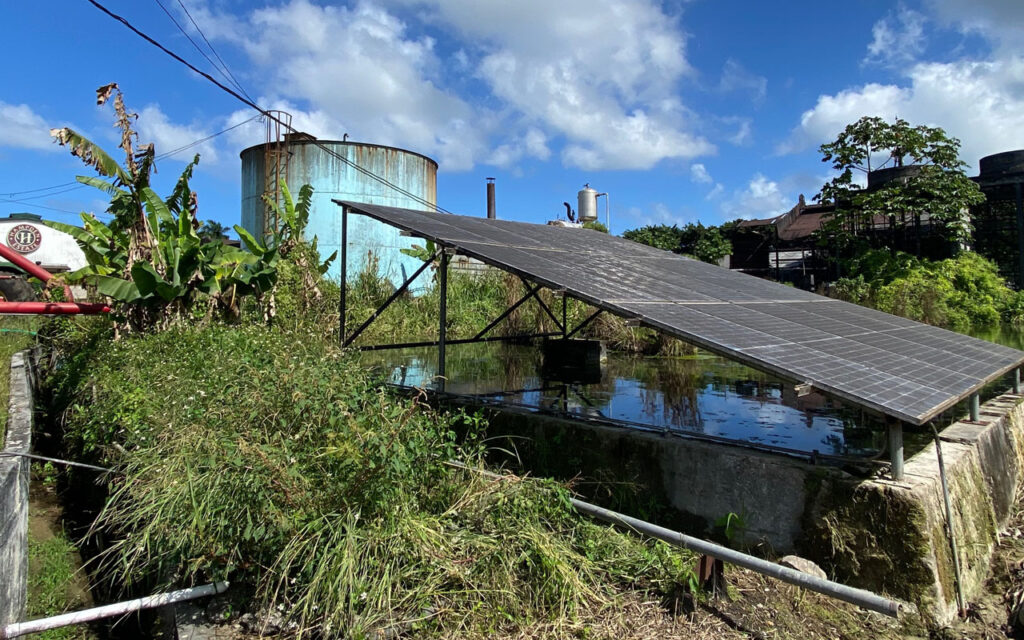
x=150 y=258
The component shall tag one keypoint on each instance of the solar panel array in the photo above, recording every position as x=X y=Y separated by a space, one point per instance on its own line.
x=898 y=367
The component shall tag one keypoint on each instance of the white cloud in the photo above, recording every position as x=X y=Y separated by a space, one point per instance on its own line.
x=761 y=198
x=715 y=192
x=597 y=78
x=699 y=174
x=23 y=128
x=981 y=103
x=532 y=144
x=743 y=135
x=154 y=126
x=897 y=39
x=1000 y=21
x=358 y=70
x=736 y=78
x=602 y=74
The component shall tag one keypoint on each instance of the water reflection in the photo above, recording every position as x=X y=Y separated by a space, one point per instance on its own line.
x=702 y=394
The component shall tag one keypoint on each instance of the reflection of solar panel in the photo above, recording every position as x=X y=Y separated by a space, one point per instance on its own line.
x=895 y=366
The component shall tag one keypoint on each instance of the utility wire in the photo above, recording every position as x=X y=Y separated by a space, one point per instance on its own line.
x=11 y=194
x=214 y=51
x=72 y=186
x=198 y=48
x=266 y=113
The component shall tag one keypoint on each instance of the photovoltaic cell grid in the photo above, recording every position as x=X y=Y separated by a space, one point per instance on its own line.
x=898 y=367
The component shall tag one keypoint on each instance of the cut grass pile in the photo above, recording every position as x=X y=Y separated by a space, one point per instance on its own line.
x=271 y=459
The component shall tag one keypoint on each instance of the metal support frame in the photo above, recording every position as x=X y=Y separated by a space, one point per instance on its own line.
x=583 y=324
x=442 y=333
x=896 y=448
x=387 y=303
x=565 y=316
x=545 y=307
x=1019 y=193
x=975 y=407
x=529 y=294
x=342 y=309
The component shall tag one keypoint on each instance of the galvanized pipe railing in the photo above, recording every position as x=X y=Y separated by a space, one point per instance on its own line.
x=17 y=629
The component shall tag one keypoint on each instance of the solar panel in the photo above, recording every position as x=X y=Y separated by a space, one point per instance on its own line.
x=891 y=365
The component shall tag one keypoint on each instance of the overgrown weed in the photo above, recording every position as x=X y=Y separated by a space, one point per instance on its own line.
x=263 y=456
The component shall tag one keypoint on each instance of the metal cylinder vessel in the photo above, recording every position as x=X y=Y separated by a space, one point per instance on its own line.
x=369 y=241
x=586 y=201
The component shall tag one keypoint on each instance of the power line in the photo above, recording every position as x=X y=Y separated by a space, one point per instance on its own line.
x=78 y=185
x=33 y=205
x=56 y=186
x=265 y=113
x=214 y=51
x=196 y=45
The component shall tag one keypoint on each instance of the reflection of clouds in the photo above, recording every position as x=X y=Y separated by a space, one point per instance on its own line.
x=706 y=395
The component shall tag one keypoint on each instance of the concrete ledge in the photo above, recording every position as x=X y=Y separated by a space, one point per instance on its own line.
x=892 y=537
x=14 y=480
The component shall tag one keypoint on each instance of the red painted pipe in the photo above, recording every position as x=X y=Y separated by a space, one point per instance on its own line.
x=30 y=267
x=24 y=263
x=54 y=308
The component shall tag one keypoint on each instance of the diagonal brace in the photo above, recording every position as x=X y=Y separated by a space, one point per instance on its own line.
x=545 y=307
x=529 y=294
x=394 y=296
x=580 y=326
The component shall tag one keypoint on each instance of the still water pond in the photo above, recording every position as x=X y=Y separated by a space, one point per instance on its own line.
x=702 y=394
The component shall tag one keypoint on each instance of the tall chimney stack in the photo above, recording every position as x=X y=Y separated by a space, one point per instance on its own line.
x=491 y=212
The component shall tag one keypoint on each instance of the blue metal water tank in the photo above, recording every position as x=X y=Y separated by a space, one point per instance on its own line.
x=331 y=178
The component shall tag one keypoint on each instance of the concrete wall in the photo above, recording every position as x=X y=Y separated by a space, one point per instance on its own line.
x=14 y=479
x=876 y=534
x=892 y=536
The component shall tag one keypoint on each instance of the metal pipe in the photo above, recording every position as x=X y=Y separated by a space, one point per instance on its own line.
x=975 y=407
x=54 y=308
x=17 y=629
x=24 y=263
x=492 y=212
x=442 y=333
x=342 y=310
x=896 y=449
x=960 y=602
x=69 y=463
x=31 y=268
x=433 y=343
x=859 y=597
x=1016 y=380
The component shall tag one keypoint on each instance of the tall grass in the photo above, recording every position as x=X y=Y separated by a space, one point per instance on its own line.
x=269 y=458
x=474 y=300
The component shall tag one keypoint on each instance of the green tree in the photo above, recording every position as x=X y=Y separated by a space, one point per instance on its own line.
x=939 y=188
x=211 y=230
x=709 y=244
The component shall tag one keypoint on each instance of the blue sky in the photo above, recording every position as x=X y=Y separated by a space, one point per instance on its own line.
x=682 y=111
